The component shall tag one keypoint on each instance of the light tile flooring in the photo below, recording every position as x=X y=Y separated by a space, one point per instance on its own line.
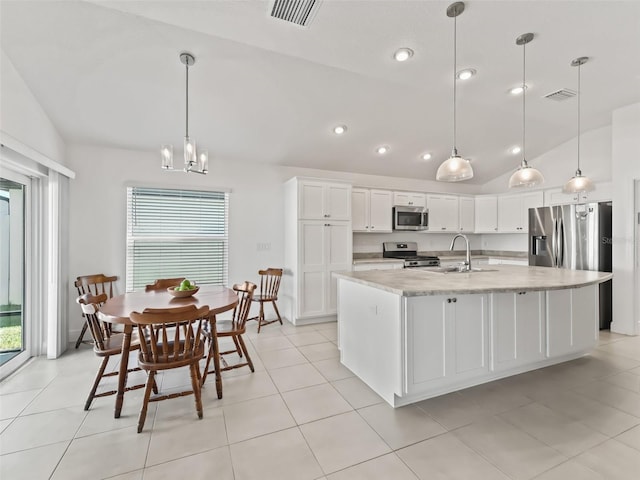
x=302 y=415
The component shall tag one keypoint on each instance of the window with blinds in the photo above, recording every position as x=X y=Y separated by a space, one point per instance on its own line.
x=176 y=233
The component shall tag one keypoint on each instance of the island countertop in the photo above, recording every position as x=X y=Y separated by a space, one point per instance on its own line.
x=411 y=282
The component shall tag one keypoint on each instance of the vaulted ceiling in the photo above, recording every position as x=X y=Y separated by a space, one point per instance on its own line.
x=263 y=89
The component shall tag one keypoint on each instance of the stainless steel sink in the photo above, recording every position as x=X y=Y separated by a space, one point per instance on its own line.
x=454 y=269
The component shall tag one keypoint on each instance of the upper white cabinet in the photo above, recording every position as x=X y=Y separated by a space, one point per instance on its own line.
x=466 y=214
x=486 y=214
x=324 y=200
x=443 y=213
x=409 y=199
x=555 y=196
x=513 y=211
x=371 y=210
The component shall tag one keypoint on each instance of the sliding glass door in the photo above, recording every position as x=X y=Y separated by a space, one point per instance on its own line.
x=14 y=205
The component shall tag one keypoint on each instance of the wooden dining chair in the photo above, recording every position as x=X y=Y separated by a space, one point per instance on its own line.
x=233 y=328
x=104 y=346
x=269 y=286
x=163 y=284
x=174 y=339
x=96 y=284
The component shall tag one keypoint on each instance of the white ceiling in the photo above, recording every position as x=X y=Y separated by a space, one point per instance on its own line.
x=108 y=73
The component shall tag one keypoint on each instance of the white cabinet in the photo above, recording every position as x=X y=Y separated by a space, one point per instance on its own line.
x=486 y=214
x=409 y=199
x=466 y=214
x=513 y=211
x=320 y=200
x=314 y=248
x=572 y=320
x=371 y=210
x=443 y=213
x=324 y=248
x=517 y=329
x=446 y=339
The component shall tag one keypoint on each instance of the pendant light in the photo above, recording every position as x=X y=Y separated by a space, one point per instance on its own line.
x=455 y=168
x=578 y=183
x=525 y=175
x=193 y=163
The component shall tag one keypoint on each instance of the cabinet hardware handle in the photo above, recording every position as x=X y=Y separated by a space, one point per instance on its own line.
x=327 y=224
x=448 y=300
x=326 y=215
x=496 y=229
x=443 y=228
x=455 y=300
x=372 y=227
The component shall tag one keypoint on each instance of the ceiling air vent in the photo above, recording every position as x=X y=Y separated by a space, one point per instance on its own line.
x=300 y=12
x=560 y=95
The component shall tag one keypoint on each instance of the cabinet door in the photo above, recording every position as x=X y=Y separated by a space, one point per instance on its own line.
x=380 y=211
x=486 y=214
x=443 y=213
x=572 y=320
x=360 y=210
x=311 y=201
x=338 y=202
x=518 y=329
x=467 y=214
x=312 y=286
x=467 y=324
x=339 y=258
x=529 y=200
x=409 y=199
x=509 y=214
x=585 y=323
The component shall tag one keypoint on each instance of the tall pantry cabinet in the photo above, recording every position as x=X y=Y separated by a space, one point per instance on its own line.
x=318 y=242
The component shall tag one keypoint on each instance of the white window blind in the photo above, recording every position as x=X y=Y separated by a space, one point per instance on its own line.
x=176 y=233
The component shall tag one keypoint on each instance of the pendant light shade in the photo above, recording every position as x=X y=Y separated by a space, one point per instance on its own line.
x=578 y=183
x=455 y=168
x=525 y=175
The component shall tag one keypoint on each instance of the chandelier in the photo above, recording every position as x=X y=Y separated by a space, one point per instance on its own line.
x=193 y=162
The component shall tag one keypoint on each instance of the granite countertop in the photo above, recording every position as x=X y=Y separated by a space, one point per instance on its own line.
x=497 y=278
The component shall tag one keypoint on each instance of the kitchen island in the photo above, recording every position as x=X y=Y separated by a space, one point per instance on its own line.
x=413 y=334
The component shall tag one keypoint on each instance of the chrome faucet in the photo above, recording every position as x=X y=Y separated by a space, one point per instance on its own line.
x=467 y=263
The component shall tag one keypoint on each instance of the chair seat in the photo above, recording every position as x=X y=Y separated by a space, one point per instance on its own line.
x=228 y=327
x=113 y=345
x=265 y=298
x=181 y=361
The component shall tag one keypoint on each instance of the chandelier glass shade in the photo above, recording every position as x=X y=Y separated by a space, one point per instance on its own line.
x=194 y=162
x=455 y=168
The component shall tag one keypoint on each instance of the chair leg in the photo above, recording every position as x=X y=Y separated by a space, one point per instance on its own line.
x=261 y=316
x=246 y=353
x=81 y=336
x=238 y=349
x=195 y=383
x=99 y=375
x=275 y=307
x=216 y=365
x=145 y=401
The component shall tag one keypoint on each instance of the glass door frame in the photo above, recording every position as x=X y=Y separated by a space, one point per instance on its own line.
x=30 y=318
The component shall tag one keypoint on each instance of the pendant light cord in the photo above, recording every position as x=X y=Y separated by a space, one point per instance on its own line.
x=524 y=103
x=455 y=49
x=579 y=67
x=187 y=102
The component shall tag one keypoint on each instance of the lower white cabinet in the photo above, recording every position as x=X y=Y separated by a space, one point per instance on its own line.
x=517 y=329
x=446 y=340
x=325 y=247
x=572 y=320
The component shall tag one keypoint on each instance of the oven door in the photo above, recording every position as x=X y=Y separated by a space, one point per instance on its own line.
x=410 y=218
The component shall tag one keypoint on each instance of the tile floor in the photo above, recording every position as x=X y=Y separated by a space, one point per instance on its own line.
x=302 y=415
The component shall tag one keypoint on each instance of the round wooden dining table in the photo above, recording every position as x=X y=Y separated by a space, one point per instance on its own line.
x=117 y=310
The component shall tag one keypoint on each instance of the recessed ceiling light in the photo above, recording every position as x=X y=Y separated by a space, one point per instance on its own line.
x=382 y=149
x=426 y=156
x=465 y=74
x=517 y=90
x=403 y=54
x=339 y=129
x=515 y=150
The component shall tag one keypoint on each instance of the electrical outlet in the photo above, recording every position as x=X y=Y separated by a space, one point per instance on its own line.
x=263 y=247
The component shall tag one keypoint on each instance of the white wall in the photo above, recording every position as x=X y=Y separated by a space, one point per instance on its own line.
x=22 y=117
x=625 y=169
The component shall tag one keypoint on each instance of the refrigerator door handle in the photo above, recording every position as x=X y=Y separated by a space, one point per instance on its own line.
x=554 y=243
x=560 y=243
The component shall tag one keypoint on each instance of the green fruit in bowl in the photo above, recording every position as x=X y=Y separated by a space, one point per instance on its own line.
x=185 y=285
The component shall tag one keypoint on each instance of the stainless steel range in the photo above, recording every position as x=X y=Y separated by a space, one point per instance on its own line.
x=408 y=251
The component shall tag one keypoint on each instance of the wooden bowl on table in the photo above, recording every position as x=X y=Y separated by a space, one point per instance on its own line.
x=182 y=293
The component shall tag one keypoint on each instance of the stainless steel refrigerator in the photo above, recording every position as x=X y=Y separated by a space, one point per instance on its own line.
x=577 y=237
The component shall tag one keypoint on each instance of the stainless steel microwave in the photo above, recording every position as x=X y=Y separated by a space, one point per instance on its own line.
x=410 y=218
